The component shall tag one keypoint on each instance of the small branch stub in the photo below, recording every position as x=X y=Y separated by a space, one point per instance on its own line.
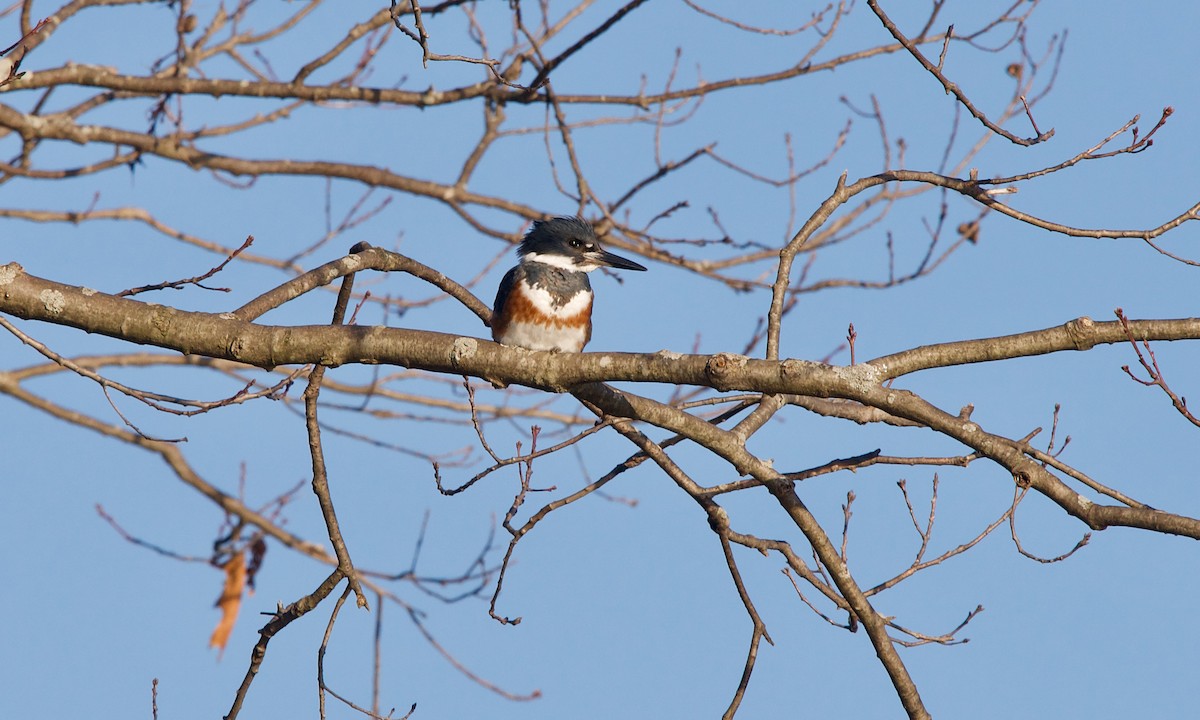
x=721 y=368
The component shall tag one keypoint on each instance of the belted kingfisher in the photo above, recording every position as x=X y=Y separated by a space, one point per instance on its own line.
x=545 y=302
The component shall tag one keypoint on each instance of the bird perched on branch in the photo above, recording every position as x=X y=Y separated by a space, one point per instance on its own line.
x=545 y=302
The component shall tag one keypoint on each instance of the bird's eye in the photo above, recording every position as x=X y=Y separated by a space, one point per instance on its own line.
x=576 y=242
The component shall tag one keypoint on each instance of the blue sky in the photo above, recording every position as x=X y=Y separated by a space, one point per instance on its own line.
x=629 y=611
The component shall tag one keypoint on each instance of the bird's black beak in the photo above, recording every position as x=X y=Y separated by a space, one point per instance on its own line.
x=604 y=257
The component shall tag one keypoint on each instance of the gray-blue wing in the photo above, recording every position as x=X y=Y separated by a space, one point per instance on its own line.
x=502 y=294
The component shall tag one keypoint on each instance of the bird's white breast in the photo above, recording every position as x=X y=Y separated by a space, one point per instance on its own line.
x=533 y=336
x=544 y=302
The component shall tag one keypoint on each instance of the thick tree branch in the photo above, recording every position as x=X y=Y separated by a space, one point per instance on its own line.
x=226 y=337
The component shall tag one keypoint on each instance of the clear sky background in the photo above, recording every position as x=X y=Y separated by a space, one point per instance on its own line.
x=629 y=611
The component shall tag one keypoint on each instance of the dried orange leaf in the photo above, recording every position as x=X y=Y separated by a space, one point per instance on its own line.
x=230 y=601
